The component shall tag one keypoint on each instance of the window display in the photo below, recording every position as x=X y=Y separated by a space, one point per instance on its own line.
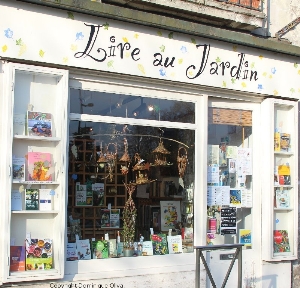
x=149 y=165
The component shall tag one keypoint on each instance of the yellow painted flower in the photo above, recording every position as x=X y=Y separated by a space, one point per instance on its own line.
x=141 y=68
x=244 y=85
x=180 y=61
x=265 y=74
x=172 y=74
x=234 y=48
x=41 y=53
x=191 y=73
x=270 y=76
x=136 y=36
x=224 y=84
x=299 y=72
x=275 y=92
x=65 y=59
x=22 y=50
x=261 y=57
x=4 y=48
x=125 y=39
x=127 y=54
x=73 y=47
x=298 y=90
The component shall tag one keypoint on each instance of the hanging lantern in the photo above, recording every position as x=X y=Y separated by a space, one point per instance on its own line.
x=160 y=155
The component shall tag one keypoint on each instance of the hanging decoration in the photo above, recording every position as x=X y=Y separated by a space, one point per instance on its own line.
x=160 y=155
x=182 y=161
x=140 y=168
x=111 y=157
x=125 y=158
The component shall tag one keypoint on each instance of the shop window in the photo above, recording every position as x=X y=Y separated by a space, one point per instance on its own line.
x=229 y=183
x=158 y=161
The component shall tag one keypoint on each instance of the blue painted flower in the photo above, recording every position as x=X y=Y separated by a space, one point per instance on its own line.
x=183 y=49
x=8 y=33
x=259 y=86
x=79 y=36
x=277 y=221
x=162 y=72
x=74 y=177
x=273 y=70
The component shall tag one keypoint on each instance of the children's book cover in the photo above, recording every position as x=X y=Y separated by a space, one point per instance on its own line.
x=235 y=197
x=98 y=194
x=39 y=124
x=100 y=249
x=80 y=194
x=115 y=218
x=17 y=258
x=105 y=218
x=40 y=166
x=39 y=254
x=282 y=197
x=170 y=214
x=18 y=167
x=285 y=140
x=160 y=244
x=276 y=141
x=281 y=241
x=147 y=249
x=31 y=199
x=245 y=237
x=83 y=249
x=45 y=199
x=174 y=244
x=71 y=252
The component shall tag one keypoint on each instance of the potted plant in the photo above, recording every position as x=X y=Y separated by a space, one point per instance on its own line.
x=129 y=217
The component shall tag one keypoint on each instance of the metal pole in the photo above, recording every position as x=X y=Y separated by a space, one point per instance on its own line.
x=197 y=283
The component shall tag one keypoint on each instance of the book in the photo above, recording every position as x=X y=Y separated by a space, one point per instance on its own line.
x=277 y=141
x=38 y=254
x=83 y=248
x=18 y=167
x=174 y=244
x=39 y=166
x=17 y=258
x=71 y=252
x=105 y=218
x=19 y=120
x=39 y=124
x=45 y=200
x=100 y=249
x=84 y=197
x=235 y=197
x=115 y=218
x=170 y=214
x=16 y=200
x=285 y=140
x=147 y=249
x=281 y=242
x=282 y=198
x=31 y=199
x=112 y=244
x=98 y=194
x=245 y=237
x=159 y=243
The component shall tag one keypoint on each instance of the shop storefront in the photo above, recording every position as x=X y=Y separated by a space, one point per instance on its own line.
x=200 y=134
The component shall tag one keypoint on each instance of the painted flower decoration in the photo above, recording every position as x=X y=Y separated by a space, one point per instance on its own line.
x=79 y=36
x=8 y=33
x=273 y=70
x=183 y=49
x=259 y=86
x=162 y=72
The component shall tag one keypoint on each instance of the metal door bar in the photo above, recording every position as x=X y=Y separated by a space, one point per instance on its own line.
x=237 y=255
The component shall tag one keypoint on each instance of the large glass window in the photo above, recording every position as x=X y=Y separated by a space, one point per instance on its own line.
x=157 y=160
x=229 y=183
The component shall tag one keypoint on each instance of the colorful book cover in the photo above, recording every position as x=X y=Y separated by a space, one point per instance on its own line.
x=282 y=198
x=18 y=167
x=147 y=249
x=39 y=166
x=39 y=124
x=31 y=199
x=16 y=200
x=71 y=252
x=105 y=218
x=39 y=254
x=170 y=214
x=245 y=237
x=285 y=140
x=81 y=198
x=98 y=194
x=45 y=199
x=174 y=244
x=276 y=141
x=235 y=197
x=100 y=249
x=160 y=244
x=115 y=218
x=19 y=124
x=83 y=249
x=281 y=241
x=17 y=258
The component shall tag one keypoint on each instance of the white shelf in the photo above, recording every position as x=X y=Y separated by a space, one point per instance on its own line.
x=35 y=212
x=283 y=209
x=281 y=153
x=37 y=138
x=36 y=182
x=283 y=186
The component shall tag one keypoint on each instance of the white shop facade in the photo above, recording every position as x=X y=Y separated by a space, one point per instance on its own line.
x=215 y=104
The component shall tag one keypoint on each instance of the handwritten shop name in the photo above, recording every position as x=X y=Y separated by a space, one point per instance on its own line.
x=238 y=70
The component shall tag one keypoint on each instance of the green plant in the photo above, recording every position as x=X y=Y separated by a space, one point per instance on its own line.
x=129 y=217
